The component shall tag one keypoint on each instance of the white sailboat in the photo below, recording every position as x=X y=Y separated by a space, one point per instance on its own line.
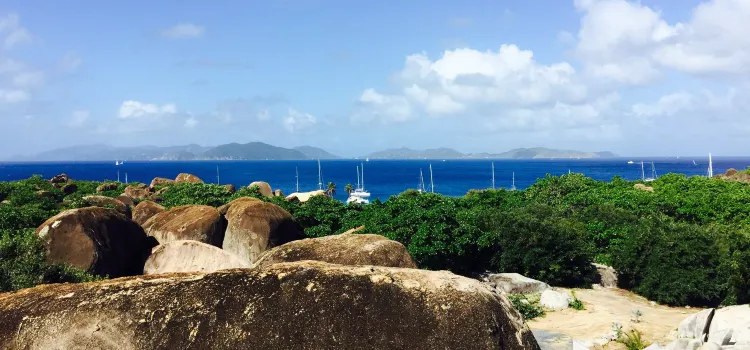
x=493 y=175
x=359 y=195
x=694 y=163
x=296 y=170
x=710 y=167
x=320 y=177
x=513 y=183
x=421 y=187
x=432 y=184
x=653 y=173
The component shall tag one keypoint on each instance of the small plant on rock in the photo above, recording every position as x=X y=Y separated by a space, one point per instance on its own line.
x=529 y=309
x=632 y=340
x=576 y=303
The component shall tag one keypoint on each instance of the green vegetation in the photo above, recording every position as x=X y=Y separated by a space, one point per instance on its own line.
x=576 y=303
x=632 y=340
x=685 y=243
x=529 y=308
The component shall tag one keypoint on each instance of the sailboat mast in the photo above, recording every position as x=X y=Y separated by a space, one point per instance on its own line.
x=358 y=186
x=643 y=174
x=118 y=176
x=513 y=184
x=363 y=175
x=421 y=181
x=493 y=175
x=320 y=177
x=432 y=184
x=710 y=167
x=218 y=181
x=296 y=171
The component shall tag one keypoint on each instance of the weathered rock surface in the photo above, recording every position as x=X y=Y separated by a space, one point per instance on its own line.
x=736 y=318
x=145 y=210
x=104 y=202
x=255 y=226
x=303 y=197
x=224 y=208
x=606 y=276
x=344 y=249
x=696 y=325
x=190 y=178
x=160 y=181
x=101 y=241
x=137 y=193
x=555 y=300
x=129 y=201
x=189 y=222
x=230 y=188
x=515 y=283
x=190 y=256
x=263 y=187
x=643 y=187
x=59 y=179
x=69 y=188
x=278 y=193
x=109 y=186
x=301 y=305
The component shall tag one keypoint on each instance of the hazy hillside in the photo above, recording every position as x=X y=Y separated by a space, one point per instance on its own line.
x=407 y=153
x=316 y=153
x=252 y=151
x=541 y=153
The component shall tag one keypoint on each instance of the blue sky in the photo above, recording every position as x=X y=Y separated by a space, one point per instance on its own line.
x=637 y=78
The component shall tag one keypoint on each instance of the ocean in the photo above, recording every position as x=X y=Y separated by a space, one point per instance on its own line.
x=383 y=178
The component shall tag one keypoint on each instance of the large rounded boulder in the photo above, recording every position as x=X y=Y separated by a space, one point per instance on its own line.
x=189 y=178
x=200 y=223
x=256 y=226
x=300 y=305
x=98 y=240
x=344 y=249
x=108 y=202
x=263 y=187
x=145 y=210
x=225 y=208
x=160 y=181
x=137 y=193
x=190 y=256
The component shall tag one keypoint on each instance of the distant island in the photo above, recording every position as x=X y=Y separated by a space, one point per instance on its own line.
x=518 y=153
x=264 y=151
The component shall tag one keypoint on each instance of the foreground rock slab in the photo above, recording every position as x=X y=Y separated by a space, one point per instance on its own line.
x=98 y=240
x=190 y=256
x=146 y=210
x=302 y=305
x=515 y=283
x=344 y=249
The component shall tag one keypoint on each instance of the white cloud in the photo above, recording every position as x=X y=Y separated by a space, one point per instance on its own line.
x=12 y=33
x=13 y=96
x=191 y=122
x=133 y=109
x=263 y=115
x=70 y=62
x=628 y=42
x=299 y=122
x=8 y=65
x=77 y=118
x=30 y=79
x=471 y=82
x=667 y=105
x=183 y=31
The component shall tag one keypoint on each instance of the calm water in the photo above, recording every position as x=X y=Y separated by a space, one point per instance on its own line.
x=382 y=177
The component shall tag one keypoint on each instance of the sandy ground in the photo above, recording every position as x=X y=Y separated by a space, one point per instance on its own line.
x=604 y=306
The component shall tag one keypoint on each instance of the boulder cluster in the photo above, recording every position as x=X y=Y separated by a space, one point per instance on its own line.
x=724 y=328
x=242 y=276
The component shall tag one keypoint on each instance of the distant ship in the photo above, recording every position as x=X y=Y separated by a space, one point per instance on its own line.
x=359 y=195
x=630 y=162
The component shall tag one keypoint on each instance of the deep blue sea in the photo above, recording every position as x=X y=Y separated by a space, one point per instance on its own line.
x=383 y=178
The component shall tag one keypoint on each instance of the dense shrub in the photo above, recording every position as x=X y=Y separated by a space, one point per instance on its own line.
x=671 y=262
x=528 y=308
x=204 y=194
x=537 y=242
x=22 y=263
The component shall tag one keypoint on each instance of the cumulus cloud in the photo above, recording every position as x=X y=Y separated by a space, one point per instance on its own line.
x=183 y=31
x=70 y=62
x=134 y=109
x=12 y=33
x=467 y=82
x=8 y=96
x=191 y=122
x=78 y=118
x=667 y=105
x=299 y=122
x=627 y=42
